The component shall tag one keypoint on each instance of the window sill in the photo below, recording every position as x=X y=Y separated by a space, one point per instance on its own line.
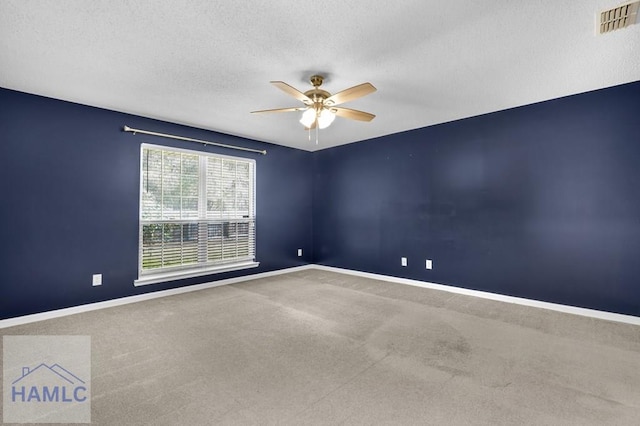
x=179 y=275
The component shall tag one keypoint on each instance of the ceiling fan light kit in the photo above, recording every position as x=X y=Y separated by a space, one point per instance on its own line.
x=325 y=118
x=320 y=106
x=308 y=118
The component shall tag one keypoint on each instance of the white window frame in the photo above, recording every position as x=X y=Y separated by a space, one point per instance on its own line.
x=203 y=267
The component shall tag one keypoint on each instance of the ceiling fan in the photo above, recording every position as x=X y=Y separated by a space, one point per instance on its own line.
x=320 y=106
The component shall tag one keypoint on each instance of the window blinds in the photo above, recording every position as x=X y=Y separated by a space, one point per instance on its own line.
x=197 y=210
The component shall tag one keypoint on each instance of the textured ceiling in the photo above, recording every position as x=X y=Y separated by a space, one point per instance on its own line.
x=208 y=63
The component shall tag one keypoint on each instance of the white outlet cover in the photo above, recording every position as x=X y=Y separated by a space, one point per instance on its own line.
x=403 y=261
x=299 y=252
x=429 y=264
x=97 y=279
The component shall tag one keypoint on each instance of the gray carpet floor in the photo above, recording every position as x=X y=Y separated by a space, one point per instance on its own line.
x=321 y=348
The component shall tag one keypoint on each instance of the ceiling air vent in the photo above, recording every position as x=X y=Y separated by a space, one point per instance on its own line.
x=618 y=17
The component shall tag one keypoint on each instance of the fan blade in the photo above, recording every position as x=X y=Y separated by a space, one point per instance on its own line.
x=280 y=110
x=292 y=91
x=353 y=114
x=350 y=94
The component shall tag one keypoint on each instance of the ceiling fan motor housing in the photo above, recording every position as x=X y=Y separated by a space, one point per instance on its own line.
x=317 y=95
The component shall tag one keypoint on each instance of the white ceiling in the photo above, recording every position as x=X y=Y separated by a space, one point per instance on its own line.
x=208 y=63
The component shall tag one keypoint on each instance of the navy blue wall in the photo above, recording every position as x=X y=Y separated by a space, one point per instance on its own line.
x=69 y=186
x=540 y=202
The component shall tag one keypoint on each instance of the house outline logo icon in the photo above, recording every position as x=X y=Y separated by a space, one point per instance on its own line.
x=46 y=383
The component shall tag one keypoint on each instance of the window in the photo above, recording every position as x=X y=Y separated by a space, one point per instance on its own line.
x=197 y=214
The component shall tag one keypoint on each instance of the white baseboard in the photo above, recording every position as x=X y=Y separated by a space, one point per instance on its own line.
x=609 y=316
x=628 y=319
x=26 y=319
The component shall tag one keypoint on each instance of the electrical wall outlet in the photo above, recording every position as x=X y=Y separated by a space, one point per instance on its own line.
x=429 y=264
x=97 y=279
x=299 y=252
x=403 y=261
